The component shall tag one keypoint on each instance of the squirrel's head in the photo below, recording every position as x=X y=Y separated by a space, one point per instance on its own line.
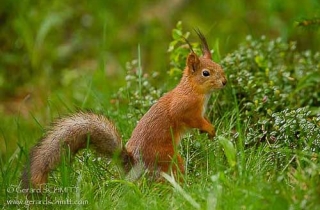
x=204 y=73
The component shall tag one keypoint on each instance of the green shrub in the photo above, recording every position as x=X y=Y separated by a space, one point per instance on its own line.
x=139 y=93
x=270 y=76
x=270 y=81
x=296 y=129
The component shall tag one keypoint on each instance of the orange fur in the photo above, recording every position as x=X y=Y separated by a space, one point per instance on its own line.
x=159 y=131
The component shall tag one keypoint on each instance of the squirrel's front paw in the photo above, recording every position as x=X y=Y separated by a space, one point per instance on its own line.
x=211 y=133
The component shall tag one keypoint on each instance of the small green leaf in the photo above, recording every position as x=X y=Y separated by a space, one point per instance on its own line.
x=261 y=62
x=229 y=150
x=176 y=34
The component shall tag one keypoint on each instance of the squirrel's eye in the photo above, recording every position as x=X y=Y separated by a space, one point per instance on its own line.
x=205 y=73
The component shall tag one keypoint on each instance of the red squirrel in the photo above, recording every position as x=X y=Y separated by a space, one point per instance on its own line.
x=154 y=140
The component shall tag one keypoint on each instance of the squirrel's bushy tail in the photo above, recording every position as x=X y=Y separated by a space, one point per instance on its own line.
x=71 y=133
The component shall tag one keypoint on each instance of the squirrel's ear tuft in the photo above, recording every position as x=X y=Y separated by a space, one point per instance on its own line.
x=205 y=48
x=193 y=62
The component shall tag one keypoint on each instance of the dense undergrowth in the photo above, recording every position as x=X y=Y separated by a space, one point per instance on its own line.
x=265 y=155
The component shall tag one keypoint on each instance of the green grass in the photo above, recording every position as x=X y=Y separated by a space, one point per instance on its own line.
x=212 y=180
x=266 y=153
x=221 y=174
